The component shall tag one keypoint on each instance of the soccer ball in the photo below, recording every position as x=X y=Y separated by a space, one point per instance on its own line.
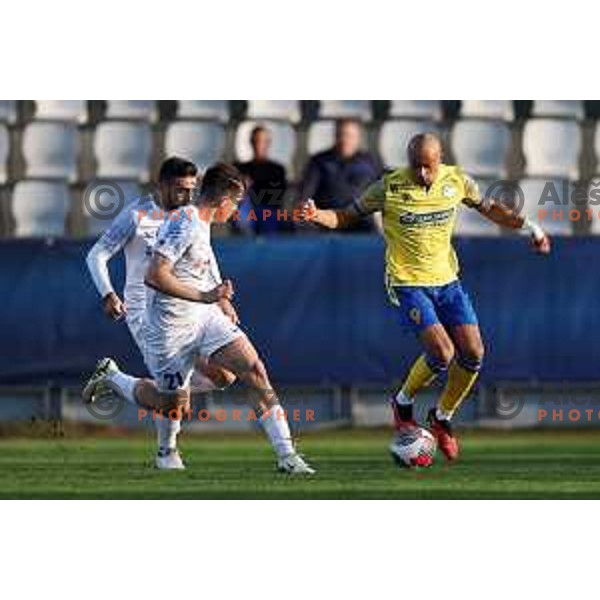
x=414 y=447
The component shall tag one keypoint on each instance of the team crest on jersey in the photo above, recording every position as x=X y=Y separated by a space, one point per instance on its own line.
x=448 y=191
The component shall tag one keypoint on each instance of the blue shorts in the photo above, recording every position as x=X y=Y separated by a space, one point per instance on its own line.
x=423 y=306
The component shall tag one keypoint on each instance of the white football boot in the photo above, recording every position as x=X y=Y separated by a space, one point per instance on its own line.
x=97 y=382
x=169 y=460
x=294 y=464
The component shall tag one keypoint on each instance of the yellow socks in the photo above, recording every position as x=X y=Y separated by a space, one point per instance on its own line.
x=461 y=377
x=421 y=374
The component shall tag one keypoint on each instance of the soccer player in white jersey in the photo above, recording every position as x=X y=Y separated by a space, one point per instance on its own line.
x=183 y=321
x=134 y=232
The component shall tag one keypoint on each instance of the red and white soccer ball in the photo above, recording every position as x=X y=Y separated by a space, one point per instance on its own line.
x=414 y=447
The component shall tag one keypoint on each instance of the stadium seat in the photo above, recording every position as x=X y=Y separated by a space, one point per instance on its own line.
x=551 y=148
x=481 y=147
x=283 y=148
x=74 y=111
x=394 y=137
x=98 y=198
x=8 y=111
x=40 y=208
x=470 y=223
x=217 y=110
x=50 y=150
x=201 y=142
x=4 y=152
x=122 y=150
x=538 y=197
x=416 y=109
x=138 y=110
x=571 y=109
x=286 y=110
x=597 y=147
x=487 y=109
x=338 y=109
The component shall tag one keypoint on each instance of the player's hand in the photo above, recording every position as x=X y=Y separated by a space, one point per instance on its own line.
x=229 y=311
x=224 y=291
x=542 y=245
x=114 y=307
x=307 y=211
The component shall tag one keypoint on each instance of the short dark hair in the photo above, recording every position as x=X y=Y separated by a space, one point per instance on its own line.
x=221 y=179
x=175 y=167
x=256 y=130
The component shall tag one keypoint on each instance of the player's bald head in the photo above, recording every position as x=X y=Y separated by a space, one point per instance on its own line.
x=425 y=156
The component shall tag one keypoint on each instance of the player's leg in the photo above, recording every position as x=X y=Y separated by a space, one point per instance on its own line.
x=240 y=357
x=417 y=313
x=457 y=313
x=208 y=377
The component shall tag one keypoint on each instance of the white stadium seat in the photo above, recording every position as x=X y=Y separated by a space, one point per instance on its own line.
x=283 y=147
x=100 y=195
x=201 y=142
x=597 y=146
x=339 y=109
x=394 y=137
x=416 y=109
x=122 y=150
x=481 y=147
x=487 y=109
x=40 y=208
x=539 y=194
x=470 y=222
x=4 y=152
x=217 y=110
x=62 y=110
x=593 y=196
x=50 y=150
x=286 y=110
x=138 y=110
x=571 y=109
x=551 y=148
x=8 y=111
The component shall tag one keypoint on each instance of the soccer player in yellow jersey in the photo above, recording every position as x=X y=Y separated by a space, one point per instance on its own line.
x=419 y=205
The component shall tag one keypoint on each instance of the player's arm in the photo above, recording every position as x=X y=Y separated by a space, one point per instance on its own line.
x=502 y=215
x=108 y=245
x=371 y=201
x=161 y=277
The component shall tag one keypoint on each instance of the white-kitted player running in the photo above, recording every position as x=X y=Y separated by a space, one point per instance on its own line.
x=134 y=232
x=183 y=321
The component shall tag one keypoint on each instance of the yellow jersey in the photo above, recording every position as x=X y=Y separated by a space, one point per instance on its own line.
x=418 y=223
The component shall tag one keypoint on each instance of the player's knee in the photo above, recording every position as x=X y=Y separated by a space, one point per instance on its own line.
x=471 y=355
x=442 y=355
x=178 y=401
x=223 y=379
x=257 y=371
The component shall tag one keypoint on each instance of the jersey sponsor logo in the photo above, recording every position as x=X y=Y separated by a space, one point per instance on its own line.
x=440 y=216
x=449 y=191
x=396 y=188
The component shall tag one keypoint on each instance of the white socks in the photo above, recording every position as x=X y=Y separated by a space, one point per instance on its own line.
x=124 y=385
x=442 y=415
x=167 y=431
x=403 y=400
x=276 y=427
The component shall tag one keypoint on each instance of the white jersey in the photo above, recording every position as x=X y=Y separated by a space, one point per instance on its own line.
x=134 y=230
x=185 y=242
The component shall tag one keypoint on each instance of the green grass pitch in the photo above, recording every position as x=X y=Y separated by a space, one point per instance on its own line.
x=351 y=464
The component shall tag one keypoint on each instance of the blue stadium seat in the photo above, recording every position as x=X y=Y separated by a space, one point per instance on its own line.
x=487 y=109
x=40 y=208
x=283 y=148
x=481 y=147
x=394 y=137
x=74 y=111
x=8 y=111
x=570 y=109
x=338 y=109
x=50 y=150
x=214 y=110
x=551 y=148
x=416 y=109
x=198 y=141
x=286 y=110
x=122 y=150
x=135 y=110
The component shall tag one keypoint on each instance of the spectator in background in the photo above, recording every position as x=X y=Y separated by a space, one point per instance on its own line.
x=267 y=187
x=336 y=177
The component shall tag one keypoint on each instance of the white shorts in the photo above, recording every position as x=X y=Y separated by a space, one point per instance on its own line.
x=171 y=365
x=135 y=322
